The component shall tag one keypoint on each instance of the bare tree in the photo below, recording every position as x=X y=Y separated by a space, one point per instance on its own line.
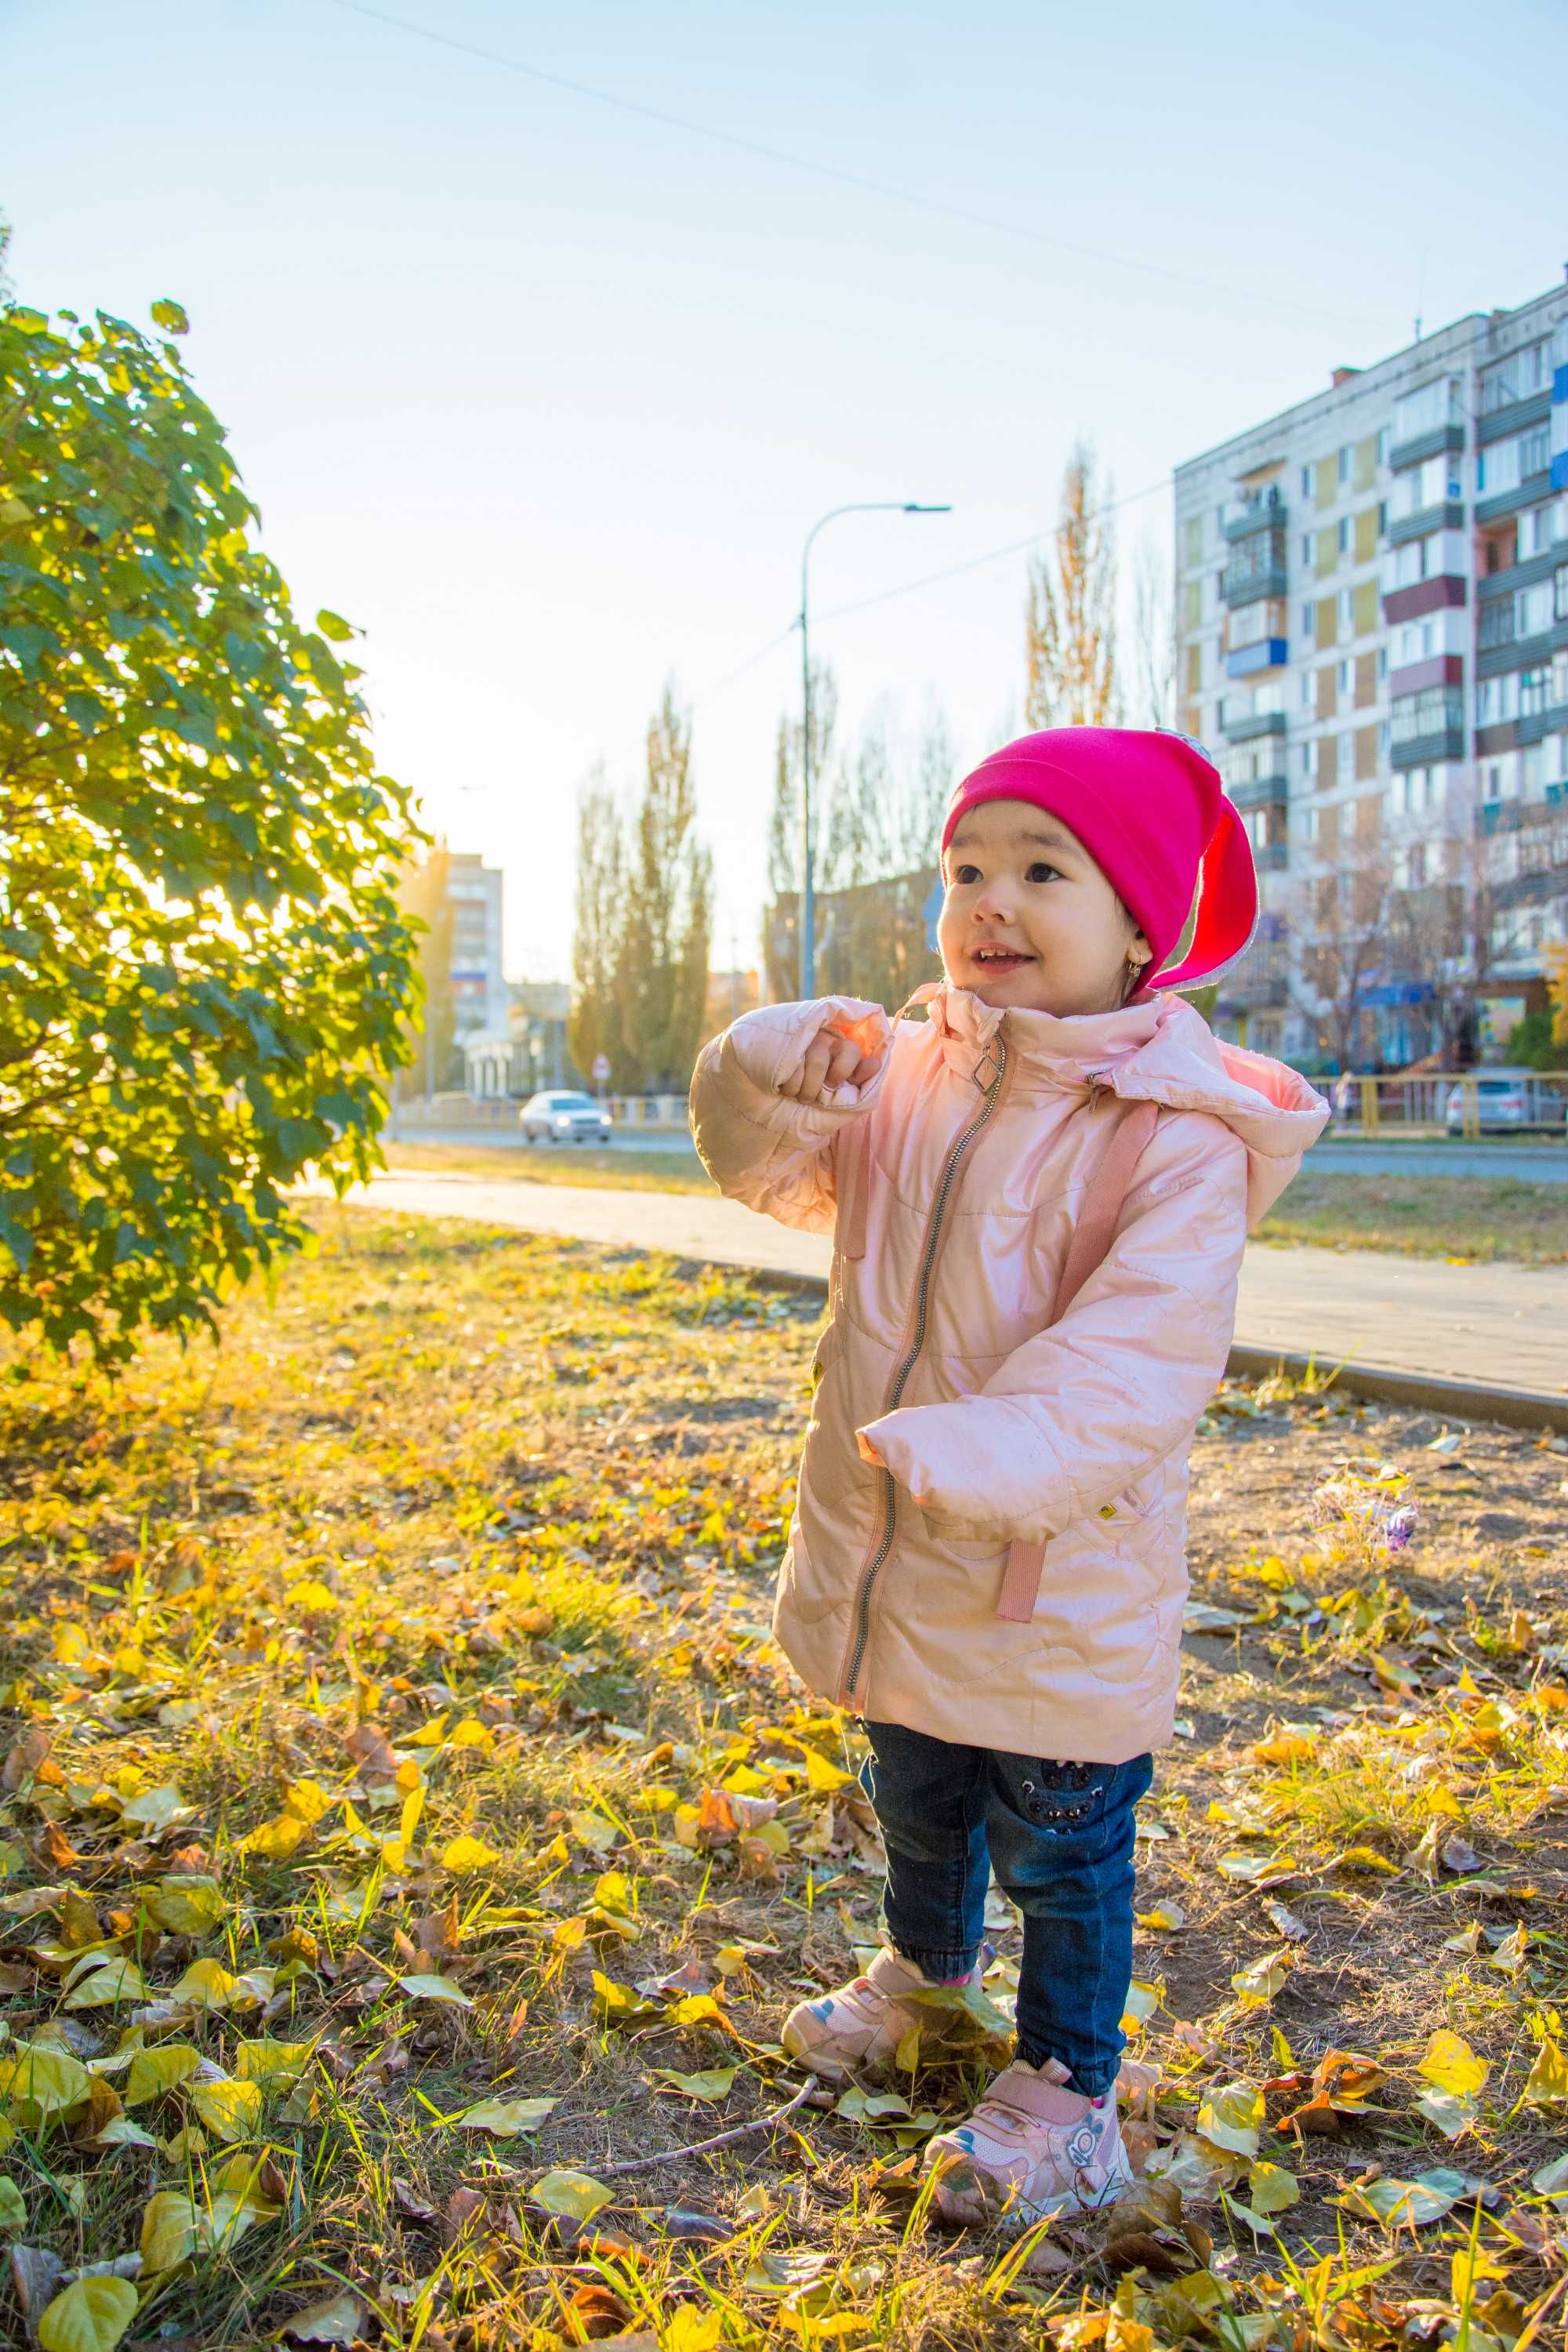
x=1343 y=916
x=1070 y=621
x=1153 y=635
x=880 y=802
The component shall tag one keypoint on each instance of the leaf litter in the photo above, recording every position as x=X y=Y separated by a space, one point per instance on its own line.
x=410 y=1843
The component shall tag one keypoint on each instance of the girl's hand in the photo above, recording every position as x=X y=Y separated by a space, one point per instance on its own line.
x=838 y=1055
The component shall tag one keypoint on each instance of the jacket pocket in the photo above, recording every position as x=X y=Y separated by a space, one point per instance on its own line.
x=805 y=1592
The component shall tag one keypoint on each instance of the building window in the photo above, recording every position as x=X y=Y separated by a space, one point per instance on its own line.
x=1436 y=711
x=1498 y=468
x=1422 y=411
x=1308 y=759
x=1308 y=690
x=1534 y=450
x=1535 y=685
x=1307 y=548
x=1345 y=537
x=1344 y=461
x=1305 y=481
x=1560 y=579
x=1497 y=700
x=1516 y=378
x=1382 y=663
x=1308 y=619
x=1383 y=447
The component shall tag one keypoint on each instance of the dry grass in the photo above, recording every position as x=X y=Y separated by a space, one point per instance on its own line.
x=469 y=1536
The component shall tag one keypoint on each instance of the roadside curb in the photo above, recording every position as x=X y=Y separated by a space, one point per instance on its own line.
x=1378 y=1383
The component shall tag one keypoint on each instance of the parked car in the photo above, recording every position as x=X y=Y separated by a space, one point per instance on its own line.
x=559 y=1118
x=1511 y=1101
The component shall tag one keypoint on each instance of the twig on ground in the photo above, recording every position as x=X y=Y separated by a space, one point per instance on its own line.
x=719 y=2139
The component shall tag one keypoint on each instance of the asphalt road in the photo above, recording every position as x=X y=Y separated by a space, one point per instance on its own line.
x=1504 y=1324
x=1537 y=1163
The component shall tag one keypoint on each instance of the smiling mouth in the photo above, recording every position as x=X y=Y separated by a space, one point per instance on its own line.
x=1000 y=959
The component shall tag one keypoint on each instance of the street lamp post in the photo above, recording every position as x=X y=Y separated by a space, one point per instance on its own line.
x=808 y=880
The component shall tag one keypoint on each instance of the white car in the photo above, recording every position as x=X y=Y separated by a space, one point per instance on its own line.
x=563 y=1118
x=1511 y=1100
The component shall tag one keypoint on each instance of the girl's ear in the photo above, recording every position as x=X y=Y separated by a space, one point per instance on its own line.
x=1138 y=950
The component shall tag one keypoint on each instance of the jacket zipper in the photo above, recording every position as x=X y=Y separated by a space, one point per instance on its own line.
x=895 y=1395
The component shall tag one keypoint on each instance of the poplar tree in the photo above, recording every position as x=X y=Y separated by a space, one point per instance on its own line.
x=644 y=919
x=1069 y=629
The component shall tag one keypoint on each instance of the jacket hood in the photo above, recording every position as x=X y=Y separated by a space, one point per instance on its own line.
x=1160 y=1049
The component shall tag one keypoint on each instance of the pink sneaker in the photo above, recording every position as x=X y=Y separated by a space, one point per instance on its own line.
x=1030 y=2148
x=856 y=2029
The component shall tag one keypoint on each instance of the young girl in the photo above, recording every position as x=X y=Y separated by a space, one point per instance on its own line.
x=1038 y=1199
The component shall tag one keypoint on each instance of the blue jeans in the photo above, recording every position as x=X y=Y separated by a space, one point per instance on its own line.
x=1059 y=1839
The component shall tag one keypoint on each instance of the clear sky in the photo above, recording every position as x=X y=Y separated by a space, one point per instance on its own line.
x=545 y=394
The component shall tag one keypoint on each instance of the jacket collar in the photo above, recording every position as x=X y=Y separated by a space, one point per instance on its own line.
x=1073 y=1052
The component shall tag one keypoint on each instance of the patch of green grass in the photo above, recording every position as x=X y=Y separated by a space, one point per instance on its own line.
x=613 y=1171
x=1469 y=1217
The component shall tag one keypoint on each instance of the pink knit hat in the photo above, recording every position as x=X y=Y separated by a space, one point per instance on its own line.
x=1149 y=809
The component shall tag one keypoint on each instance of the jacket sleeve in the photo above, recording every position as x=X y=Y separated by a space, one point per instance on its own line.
x=764 y=1147
x=1073 y=1416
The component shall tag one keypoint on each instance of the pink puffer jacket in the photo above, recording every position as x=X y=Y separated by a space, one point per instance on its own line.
x=955 y=1178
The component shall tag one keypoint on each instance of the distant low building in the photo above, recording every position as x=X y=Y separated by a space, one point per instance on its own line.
x=514 y=1060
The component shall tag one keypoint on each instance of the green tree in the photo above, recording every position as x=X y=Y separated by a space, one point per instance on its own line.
x=202 y=965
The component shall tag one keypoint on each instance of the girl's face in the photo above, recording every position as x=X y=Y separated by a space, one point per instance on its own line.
x=1028 y=919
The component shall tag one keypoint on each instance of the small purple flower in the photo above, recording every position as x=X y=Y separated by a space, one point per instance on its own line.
x=1400 y=1527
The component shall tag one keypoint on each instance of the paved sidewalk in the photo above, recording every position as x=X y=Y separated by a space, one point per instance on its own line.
x=1506 y=1326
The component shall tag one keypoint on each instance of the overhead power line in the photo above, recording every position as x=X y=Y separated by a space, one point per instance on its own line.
x=842 y=175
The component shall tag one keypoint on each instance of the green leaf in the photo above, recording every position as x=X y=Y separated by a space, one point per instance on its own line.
x=170 y=317
x=506 y=2118
x=90 y=2316
x=434 y=1988
x=708 y=2083
x=333 y=624
x=1232 y=2118
x=576 y=2196
x=13 y=2205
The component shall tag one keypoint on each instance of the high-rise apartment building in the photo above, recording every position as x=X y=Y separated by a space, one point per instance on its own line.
x=479 y=999
x=1373 y=640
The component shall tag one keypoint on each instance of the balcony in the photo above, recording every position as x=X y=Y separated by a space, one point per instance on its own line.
x=1246 y=726
x=1449 y=515
x=1272 y=858
x=1261 y=510
x=1424 y=596
x=1264 y=653
x=1260 y=792
x=1244 y=585
x=1422 y=750
x=1430 y=443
